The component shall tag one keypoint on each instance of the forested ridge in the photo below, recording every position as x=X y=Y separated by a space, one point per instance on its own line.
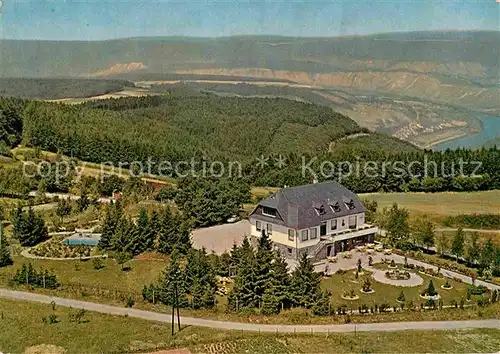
x=183 y=125
x=31 y=88
x=178 y=127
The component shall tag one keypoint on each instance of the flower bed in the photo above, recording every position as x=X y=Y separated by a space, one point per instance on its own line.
x=350 y=295
x=56 y=249
x=397 y=274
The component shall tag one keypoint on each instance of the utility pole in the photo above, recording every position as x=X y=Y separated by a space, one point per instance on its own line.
x=177 y=305
x=173 y=316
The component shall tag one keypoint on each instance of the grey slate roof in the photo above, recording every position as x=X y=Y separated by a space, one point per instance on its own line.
x=299 y=207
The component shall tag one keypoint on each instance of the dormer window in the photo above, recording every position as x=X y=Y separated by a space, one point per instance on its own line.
x=269 y=212
x=320 y=210
x=350 y=204
x=335 y=207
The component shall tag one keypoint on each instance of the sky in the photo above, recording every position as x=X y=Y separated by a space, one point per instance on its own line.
x=106 y=19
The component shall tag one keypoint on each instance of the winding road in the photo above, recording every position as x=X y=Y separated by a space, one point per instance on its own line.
x=254 y=327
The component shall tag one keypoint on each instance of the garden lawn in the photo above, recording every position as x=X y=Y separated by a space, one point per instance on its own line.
x=82 y=273
x=387 y=294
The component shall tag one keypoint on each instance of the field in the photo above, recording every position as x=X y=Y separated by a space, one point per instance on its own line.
x=22 y=327
x=441 y=204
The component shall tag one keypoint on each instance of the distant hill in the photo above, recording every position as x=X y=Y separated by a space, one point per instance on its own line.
x=471 y=55
x=58 y=88
x=458 y=68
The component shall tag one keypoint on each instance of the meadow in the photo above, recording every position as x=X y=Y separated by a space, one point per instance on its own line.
x=441 y=204
x=33 y=327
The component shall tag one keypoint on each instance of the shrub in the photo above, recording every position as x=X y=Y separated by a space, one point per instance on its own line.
x=393 y=263
x=247 y=311
x=477 y=290
x=97 y=263
x=494 y=296
x=430 y=303
x=401 y=297
x=77 y=316
x=367 y=286
x=447 y=285
x=370 y=261
x=51 y=319
x=130 y=302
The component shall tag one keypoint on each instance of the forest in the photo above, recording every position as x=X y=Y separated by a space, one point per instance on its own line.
x=202 y=128
x=51 y=88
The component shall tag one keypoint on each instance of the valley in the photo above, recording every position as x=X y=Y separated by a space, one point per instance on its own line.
x=423 y=87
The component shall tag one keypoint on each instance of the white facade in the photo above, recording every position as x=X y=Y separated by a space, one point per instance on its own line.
x=283 y=235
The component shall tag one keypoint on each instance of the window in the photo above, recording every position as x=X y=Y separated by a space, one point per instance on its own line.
x=291 y=234
x=320 y=210
x=304 y=235
x=343 y=222
x=314 y=233
x=290 y=251
x=269 y=212
x=350 y=204
x=352 y=222
x=333 y=225
x=335 y=207
x=269 y=229
x=258 y=225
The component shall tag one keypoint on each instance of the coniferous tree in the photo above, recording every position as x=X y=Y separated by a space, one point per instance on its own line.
x=270 y=303
x=173 y=281
x=264 y=257
x=168 y=230
x=305 y=283
x=322 y=306
x=29 y=227
x=243 y=293
x=280 y=281
x=5 y=258
x=144 y=237
x=431 y=290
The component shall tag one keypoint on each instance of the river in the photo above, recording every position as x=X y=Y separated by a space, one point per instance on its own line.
x=490 y=130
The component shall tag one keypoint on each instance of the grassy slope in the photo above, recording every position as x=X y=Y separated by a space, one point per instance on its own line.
x=21 y=327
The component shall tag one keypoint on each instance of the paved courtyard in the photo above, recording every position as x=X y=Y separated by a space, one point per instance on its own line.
x=221 y=238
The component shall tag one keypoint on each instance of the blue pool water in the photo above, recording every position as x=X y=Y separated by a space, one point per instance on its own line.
x=81 y=241
x=490 y=130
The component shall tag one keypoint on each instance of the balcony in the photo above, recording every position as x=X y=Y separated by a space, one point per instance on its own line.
x=351 y=233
